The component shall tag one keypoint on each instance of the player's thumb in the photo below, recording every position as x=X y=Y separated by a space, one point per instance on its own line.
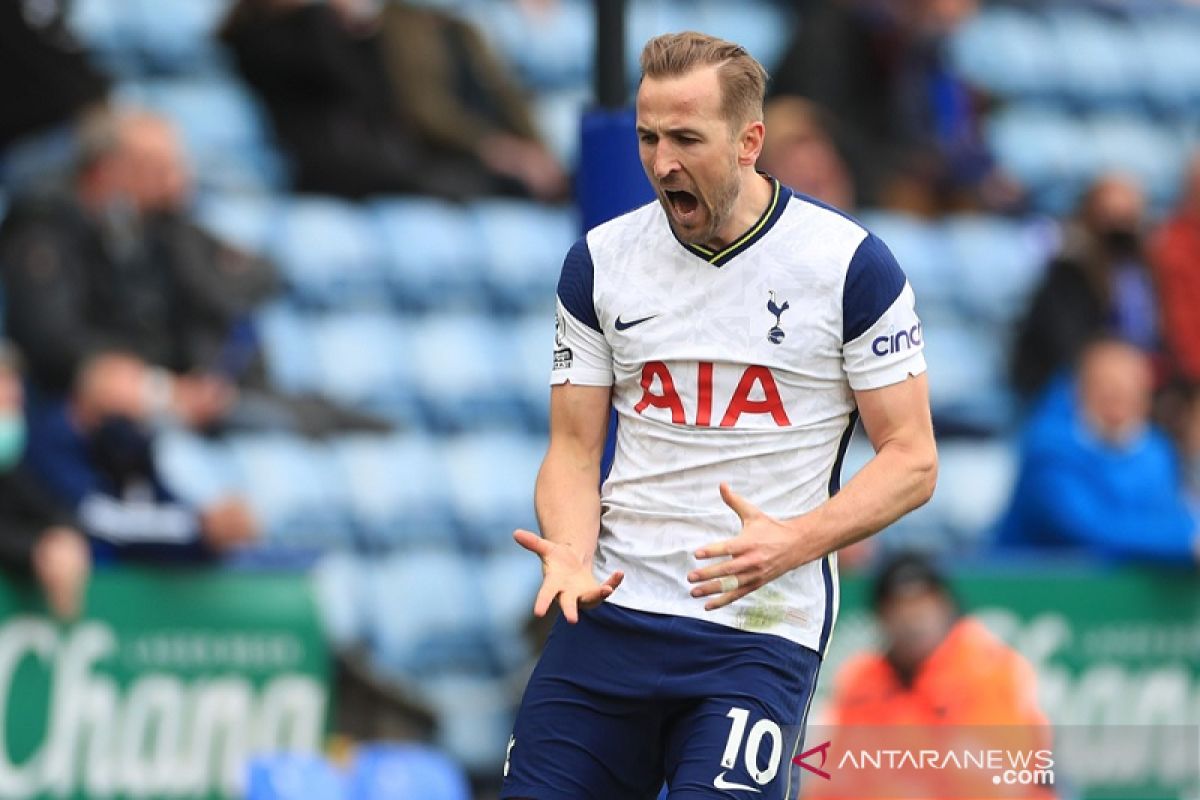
x=530 y=541
x=740 y=505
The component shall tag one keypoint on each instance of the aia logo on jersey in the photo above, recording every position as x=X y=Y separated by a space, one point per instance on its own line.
x=775 y=335
x=658 y=390
x=898 y=341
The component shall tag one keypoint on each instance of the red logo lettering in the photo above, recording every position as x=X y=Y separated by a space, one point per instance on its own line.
x=742 y=404
x=669 y=397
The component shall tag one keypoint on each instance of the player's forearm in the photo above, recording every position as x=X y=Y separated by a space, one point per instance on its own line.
x=567 y=499
x=900 y=478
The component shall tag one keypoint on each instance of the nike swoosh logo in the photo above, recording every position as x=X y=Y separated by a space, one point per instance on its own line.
x=719 y=782
x=626 y=325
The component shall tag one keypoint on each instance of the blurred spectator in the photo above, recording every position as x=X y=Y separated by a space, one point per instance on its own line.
x=908 y=126
x=45 y=78
x=1097 y=284
x=37 y=537
x=1175 y=255
x=1096 y=474
x=369 y=101
x=111 y=263
x=937 y=669
x=799 y=150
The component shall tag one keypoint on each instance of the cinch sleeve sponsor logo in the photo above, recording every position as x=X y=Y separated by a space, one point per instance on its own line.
x=897 y=342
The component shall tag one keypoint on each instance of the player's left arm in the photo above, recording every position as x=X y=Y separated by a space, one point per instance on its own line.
x=898 y=479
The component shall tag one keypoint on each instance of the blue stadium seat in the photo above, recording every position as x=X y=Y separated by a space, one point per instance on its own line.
x=1045 y=150
x=969 y=388
x=491 y=481
x=331 y=253
x=398 y=488
x=976 y=479
x=475 y=717
x=761 y=26
x=223 y=128
x=182 y=41
x=406 y=772
x=295 y=489
x=462 y=372
x=1133 y=145
x=197 y=470
x=294 y=776
x=919 y=249
x=1169 y=60
x=290 y=352
x=1006 y=51
x=425 y=614
x=550 y=49
x=104 y=28
x=433 y=253
x=509 y=580
x=523 y=245
x=360 y=360
x=244 y=220
x=1096 y=57
x=531 y=340
x=998 y=263
x=339 y=581
x=557 y=115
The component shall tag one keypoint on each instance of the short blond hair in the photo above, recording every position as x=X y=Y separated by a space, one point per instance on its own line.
x=743 y=80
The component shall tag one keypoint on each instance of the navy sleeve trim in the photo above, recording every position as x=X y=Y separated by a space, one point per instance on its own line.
x=873 y=282
x=575 y=285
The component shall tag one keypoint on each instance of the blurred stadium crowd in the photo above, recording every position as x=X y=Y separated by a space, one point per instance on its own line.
x=279 y=276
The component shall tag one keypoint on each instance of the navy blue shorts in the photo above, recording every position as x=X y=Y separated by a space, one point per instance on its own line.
x=626 y=700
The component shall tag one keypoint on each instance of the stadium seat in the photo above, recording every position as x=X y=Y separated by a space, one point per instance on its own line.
x=761 y=26
x=425 y=614
x=330 y=253
x=294 y=776
x=969 y=390
x=243 y=220
x=491 y=481
x=461 y=367
x=1045 y=150
x=1130 y=144
x=288 y=347
x=557 y=115
x=509 y=580
x=197 y=470
x=530 y=337
x=1169 y=59
x=433 y=254
x=475 y=717
x=181 y=42
x=1096 y=57
x=550 y=49
x=223 y=128
x=523 y=247
x=1007 y=52
x=360 y=359
x=975 y=482
x=340 y=594
x=295 y=489
x=398 y=489
x=998 y=263
x=405 y=772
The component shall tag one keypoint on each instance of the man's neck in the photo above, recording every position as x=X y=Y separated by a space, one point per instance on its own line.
x=752 y=201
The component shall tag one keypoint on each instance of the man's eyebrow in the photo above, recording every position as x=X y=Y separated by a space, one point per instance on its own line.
x=673 y=131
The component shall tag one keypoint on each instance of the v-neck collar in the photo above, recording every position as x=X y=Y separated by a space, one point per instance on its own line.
x=780 y=195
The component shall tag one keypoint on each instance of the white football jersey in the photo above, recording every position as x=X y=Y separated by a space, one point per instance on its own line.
x=734 y=366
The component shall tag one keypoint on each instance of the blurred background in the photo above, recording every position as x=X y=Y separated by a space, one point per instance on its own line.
x=278 y=283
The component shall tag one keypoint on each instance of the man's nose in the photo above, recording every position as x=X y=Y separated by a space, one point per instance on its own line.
x=664 y=162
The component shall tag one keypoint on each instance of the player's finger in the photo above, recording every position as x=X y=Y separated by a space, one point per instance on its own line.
x=531 y=542
x=545 y=597
x=729 y=597
x=569 y=603
x=741 y=506
x=729 y=547
x=726 y=583
x=615 y=579
x=731 y=567
x=594 y=597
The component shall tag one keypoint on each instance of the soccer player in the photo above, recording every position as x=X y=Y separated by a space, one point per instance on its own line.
x=739 y=330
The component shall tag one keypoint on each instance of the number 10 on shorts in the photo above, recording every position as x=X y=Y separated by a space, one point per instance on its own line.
x=762 y=729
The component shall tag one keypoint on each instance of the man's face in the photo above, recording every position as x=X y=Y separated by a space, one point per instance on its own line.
x=150 y=166
x=1116 y=385
x=914 y=621
x=689 y=151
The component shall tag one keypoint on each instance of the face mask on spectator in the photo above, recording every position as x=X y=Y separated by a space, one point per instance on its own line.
x=12 y=439
x=1122 y=242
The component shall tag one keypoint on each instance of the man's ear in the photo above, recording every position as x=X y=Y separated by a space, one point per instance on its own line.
x=750 y=143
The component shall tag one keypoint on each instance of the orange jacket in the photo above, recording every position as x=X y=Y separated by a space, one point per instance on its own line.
x=972 y=693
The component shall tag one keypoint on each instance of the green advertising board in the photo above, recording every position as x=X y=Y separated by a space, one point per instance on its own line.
x=163 y=689
x=1117 y=655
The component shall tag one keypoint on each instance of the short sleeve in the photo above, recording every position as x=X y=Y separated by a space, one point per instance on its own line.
x=581 y=353
x=882 y=339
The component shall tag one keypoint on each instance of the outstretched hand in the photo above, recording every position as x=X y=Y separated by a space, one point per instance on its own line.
x=566 y=576
x=765 y=549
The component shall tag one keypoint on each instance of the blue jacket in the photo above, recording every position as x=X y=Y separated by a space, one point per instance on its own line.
x=1076 y=491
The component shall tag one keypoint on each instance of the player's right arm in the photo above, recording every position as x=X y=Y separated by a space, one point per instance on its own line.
x=567 y=498
x=567 y=495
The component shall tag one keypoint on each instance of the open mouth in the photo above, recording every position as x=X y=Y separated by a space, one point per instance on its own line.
x=684 y=204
